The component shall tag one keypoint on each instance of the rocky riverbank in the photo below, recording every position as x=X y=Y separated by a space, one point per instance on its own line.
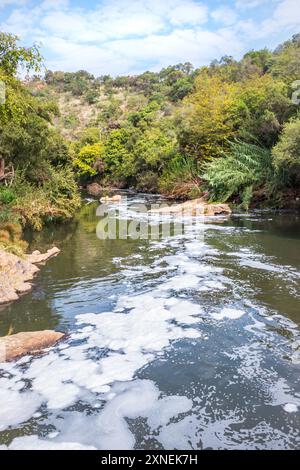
x=16 y=274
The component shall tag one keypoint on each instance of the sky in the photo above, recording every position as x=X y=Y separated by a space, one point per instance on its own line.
x=121 y=37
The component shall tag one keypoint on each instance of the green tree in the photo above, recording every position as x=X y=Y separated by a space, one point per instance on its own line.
x=13 y=56
x=286 y=153
x=89 y=159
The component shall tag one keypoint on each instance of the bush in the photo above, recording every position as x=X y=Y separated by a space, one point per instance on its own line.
x=7 y=195
x=180 y=178
x=55 y=200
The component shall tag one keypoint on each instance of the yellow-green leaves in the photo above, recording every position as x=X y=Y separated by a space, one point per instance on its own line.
x=85 y=162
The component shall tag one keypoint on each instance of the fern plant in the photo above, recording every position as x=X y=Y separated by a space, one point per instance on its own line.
x=244 y=168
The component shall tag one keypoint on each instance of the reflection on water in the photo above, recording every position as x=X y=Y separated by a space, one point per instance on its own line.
x=174 y=343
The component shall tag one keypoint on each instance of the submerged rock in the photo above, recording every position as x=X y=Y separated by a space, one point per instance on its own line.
x=195 y=207
x=17 y=273
x=15 y=346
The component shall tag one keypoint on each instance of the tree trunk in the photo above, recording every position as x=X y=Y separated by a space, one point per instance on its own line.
x=2 y=168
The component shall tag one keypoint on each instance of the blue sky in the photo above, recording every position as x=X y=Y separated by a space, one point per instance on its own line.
x=131 y=36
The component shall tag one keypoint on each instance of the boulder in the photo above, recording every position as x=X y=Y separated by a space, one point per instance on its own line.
x=20 y=344
x=94 y=189
x=193 y=208
x=17 y=273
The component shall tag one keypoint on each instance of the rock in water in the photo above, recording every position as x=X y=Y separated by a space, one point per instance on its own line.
x=107 y=199
x=17 y=273
x=195 y=207
x=15 y=346
x=37 y=257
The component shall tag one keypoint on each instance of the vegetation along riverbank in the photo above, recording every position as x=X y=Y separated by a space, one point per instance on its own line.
x=230 y=130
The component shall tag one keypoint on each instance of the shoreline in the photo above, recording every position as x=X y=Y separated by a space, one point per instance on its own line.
x=17 y=274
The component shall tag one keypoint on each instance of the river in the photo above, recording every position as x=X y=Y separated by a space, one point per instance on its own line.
x=187 y=341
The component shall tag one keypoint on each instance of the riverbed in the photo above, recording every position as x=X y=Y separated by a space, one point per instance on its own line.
x=182 y=341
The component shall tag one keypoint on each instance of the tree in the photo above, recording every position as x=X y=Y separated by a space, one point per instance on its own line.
x=89 y=159
x=206 y=121
x=17 y=104
x=286 y=153
x=13 y=56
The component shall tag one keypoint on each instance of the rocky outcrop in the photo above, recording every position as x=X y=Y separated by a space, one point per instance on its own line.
x=17 y=273
x=94 y=189
x=107 y=199
x=14 y=346
x=37 y=257
x=193 y=208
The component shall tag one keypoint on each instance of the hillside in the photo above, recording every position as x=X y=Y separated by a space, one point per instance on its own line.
x=174 y=131
x=229 y=130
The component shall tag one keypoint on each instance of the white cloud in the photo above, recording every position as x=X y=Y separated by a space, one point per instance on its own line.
x=285 y=17
x=188 y=13
x=126 y=36
x=6 y=3
x=54 y=4
x=248 y=4
x=130 y=55
x=225 y=15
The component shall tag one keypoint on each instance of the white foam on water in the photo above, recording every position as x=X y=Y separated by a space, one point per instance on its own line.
x=167 y=408
x=230 y=313
x=181 y=435
x=16 y=407
x=281 y=394
x=133 y=339
x=185 y=281
x=251 y=263
x=290 y=408
x=34 y=443
x=97 y=366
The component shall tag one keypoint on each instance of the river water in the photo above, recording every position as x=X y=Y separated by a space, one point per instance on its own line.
x=188 y=341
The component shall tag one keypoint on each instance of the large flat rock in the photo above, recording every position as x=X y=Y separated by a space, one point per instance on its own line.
x=20 y=344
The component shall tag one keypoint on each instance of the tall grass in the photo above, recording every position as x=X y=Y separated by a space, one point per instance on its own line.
x=180 y=178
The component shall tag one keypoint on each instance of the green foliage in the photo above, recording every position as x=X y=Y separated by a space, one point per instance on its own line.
x=180 y=178
x=13 y=56
x=7 y=195
x=286 y=153
x=116 y=152
x=246 y=166
x=161 y=130
x=85 y=162
x=55 y=200
x=43 y=188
